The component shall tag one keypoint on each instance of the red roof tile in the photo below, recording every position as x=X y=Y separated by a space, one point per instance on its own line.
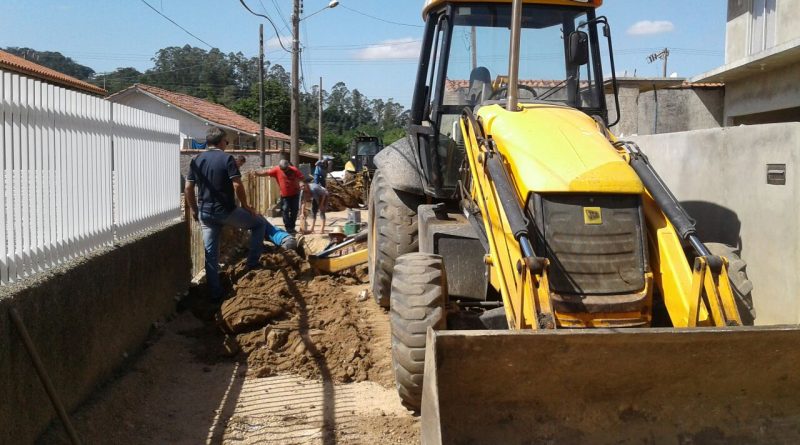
x=701 y=85
x=19 y=65
x=454 y=85
x=204 y=109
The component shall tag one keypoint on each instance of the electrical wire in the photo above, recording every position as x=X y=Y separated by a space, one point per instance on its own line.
x=277 y=33
x=302 y=62
x=362 y=46
x=302 y=74
x=380 y=19
x=280 y=14
x=176 y=24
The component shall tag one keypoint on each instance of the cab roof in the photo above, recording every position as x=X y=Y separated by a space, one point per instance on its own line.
x=431 y=4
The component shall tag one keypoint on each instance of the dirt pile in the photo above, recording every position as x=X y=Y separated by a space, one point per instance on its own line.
x=288 y=321
x=342 y=197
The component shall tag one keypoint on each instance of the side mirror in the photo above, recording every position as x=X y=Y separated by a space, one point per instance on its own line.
x=578 y=48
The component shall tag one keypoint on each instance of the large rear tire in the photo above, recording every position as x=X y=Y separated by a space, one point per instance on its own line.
x=741 y=285
x=419 y=294
x=392 y=232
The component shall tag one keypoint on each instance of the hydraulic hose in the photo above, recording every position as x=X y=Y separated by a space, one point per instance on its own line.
x=683 y=223
x=507 y=195
x=505 y=190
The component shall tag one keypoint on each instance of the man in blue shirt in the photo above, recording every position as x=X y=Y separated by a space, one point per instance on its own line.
x=219 y=183
x=320 y=172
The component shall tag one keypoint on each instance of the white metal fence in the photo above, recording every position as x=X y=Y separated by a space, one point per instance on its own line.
x=78 y=173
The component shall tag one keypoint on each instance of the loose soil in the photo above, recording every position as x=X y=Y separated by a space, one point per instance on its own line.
x=287 y=320
x=289 y=358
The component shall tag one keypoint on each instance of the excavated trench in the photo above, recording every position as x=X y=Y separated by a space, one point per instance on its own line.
x=289 y=358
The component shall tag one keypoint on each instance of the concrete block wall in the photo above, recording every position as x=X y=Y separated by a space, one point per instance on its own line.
x=84 y=318
x=720 y=176
x=677 y=109
x=682 y=109
x=253 y=159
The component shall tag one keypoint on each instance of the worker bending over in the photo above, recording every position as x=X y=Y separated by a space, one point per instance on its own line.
x=317 y=195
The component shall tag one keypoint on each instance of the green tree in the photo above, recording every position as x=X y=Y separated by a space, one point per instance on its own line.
x=118 y=79
x=53 y=60
x=232 y=80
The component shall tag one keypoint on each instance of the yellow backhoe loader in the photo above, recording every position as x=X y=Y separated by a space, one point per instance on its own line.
x=543 y=284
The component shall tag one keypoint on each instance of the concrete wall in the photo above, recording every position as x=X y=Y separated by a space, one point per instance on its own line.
x=720 y=176
x=628 y=110
x=773 y=90
x=84 y=318
x=739 y=26
x=253 y=159
x=788 y=19
x=679 y=109
x=737 y=30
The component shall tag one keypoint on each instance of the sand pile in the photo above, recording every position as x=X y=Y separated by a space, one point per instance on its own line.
x=288 y=321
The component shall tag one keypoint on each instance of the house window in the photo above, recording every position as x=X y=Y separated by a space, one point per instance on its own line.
x=762 y=32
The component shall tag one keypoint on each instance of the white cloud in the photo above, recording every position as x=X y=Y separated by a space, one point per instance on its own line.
x=650 y=27
x=273 y=43
x=406 y=48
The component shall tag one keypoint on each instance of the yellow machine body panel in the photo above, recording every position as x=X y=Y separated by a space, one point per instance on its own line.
x=432 y=4
x=547 y=149
x=555 y=149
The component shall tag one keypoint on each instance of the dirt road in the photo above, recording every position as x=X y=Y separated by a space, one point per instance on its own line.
x=313 y=367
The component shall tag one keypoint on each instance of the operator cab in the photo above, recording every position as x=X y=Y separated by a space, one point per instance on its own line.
x=362 y=152
x=465 y=63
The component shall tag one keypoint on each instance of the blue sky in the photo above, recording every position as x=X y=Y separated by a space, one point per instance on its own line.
x=106 y=34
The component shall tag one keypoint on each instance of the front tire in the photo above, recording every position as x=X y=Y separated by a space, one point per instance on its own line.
x=392 y=232
x=419 y=294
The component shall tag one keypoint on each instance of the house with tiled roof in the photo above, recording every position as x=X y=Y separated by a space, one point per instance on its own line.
x=16 y=64
x=196 y=115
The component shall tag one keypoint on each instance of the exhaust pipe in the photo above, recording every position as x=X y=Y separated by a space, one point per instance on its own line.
x=513 y=56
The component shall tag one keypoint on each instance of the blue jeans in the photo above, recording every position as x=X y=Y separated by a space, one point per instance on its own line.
x=212 y=224
x=289 y=207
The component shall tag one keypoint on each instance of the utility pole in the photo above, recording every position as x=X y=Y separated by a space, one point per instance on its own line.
x=319 y=121
x=295 y=120
x=473 y=42
x=261 y=93
x=663 y=55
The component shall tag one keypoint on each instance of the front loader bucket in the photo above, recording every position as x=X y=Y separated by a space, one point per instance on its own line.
x=632 y=386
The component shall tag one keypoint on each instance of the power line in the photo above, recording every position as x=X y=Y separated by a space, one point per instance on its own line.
x=380 y=19
x=364 y=45
x=174 y=23
x=277 y=33
x=280 y=15
x=151 y=69
x=302 y=61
